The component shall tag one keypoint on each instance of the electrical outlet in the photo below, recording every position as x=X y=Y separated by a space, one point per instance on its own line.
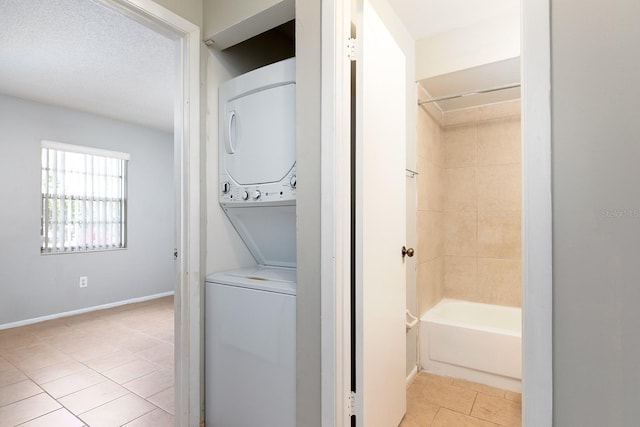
x=84 y=282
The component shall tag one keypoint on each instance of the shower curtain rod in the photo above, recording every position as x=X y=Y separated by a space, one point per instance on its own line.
x=473 y=92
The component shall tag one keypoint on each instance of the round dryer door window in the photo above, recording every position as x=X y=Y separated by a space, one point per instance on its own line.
x=259 y=135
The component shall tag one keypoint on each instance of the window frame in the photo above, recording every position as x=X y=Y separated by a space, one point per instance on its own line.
x=124 y=158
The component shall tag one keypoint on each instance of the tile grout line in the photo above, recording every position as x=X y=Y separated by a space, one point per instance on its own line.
x=72 y=359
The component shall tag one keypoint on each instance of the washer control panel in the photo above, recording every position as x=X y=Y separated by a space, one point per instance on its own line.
x=232 y=193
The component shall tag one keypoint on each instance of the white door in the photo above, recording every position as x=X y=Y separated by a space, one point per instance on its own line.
x=381 y=223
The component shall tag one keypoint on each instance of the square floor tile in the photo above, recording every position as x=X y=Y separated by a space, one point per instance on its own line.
x=157 y=418
x=165 y=400
x=18 y=391
x=118 y=412
x=449 y=418
x=151 y=384
x=91 y=397
x=130 y=371
x=27 y=409
x=59 y=418
x=497 y=410
x=72 y=383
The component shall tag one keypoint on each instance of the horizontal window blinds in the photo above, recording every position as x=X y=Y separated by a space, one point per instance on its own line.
x=84 y=199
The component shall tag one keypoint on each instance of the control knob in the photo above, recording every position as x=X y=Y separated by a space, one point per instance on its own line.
x=293 y=181
x=226 y=187
x=256 y=194
x=245 y=195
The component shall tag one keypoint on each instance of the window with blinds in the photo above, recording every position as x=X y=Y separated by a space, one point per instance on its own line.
x=84 y=199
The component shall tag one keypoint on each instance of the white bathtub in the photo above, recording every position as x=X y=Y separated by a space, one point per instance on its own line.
x=473 y=341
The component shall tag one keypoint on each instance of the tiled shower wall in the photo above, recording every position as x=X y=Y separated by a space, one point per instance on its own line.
x=430 y=220
x=469 y=206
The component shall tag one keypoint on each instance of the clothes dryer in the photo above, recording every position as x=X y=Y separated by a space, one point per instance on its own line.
x=257 y=161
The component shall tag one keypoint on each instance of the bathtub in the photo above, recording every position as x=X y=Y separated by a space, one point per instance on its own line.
x=473 y=341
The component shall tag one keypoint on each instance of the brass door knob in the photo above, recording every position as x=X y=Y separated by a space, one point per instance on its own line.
x=407 y=252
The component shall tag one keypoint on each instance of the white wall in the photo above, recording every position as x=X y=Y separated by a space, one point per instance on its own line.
x=488 y=41
x=596 y=212
x=35 y=285
x=191 y=10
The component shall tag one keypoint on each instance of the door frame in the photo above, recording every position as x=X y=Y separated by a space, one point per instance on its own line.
x=537 y=404
x=189 y=384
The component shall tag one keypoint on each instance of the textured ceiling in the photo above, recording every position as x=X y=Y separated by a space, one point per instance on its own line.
x=83 y=55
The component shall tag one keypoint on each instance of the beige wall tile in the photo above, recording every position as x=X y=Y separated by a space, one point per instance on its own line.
x=460 y=278
x=423 y=134
x=430 y=229
x=430 y=284
x=430 y=188
x=499 y=234
x=499 y=188
x=499 y=110
x=499 y=142
x=460 y=189
x=499 y=281
x=460 y=146
x=429 y=139
x=460 y=233
x=464 y=115
x=422 y=288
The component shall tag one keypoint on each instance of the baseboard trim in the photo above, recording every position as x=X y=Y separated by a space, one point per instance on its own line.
x=412 y=376
x=84 y=310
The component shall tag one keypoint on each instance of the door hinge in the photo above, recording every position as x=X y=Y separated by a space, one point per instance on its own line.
x=175 y=253
x=352 y=48
x=351 y=403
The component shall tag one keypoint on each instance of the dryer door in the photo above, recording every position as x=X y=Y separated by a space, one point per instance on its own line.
x=259 y=135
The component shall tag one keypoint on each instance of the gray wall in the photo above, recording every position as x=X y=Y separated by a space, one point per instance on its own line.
x=596 y=212
x=34 y=285
x=308 y=90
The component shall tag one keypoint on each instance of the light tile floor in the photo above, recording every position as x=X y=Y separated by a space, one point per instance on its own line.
x=438 y=401
x=110 y=367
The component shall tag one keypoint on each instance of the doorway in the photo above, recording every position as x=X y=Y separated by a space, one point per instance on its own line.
x=536 y=216
x=186 y=189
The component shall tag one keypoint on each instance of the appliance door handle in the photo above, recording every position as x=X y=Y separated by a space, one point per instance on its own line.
x=230 y=134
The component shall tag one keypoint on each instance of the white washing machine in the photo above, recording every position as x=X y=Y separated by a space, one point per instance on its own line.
x=250 y=313
x=250 y=348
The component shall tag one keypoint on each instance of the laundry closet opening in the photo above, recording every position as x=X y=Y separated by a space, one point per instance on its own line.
x=250 y=290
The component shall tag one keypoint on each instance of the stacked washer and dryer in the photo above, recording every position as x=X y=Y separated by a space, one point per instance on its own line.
x=250 y=313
